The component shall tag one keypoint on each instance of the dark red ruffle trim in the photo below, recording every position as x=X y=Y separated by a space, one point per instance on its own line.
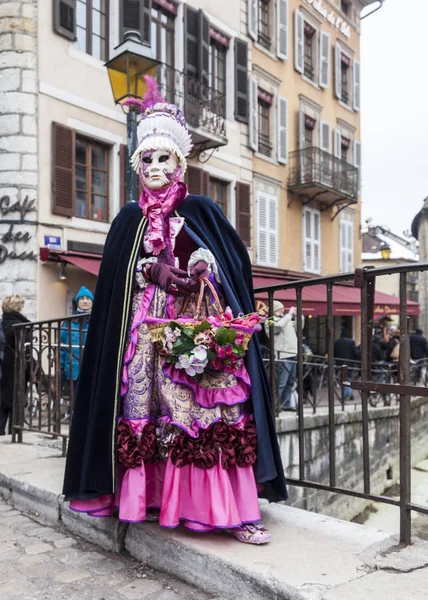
x=223 y=442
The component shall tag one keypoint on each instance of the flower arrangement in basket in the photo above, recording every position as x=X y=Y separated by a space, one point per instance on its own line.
x=218 y=342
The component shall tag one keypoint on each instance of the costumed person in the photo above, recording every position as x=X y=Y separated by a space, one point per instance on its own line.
x=155 y=441
x=73 y=338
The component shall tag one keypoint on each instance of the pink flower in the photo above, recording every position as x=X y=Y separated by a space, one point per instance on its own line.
x=239 y=340
x=216 y=364
x=224 y=351
x=215 y=320
x=228 y=314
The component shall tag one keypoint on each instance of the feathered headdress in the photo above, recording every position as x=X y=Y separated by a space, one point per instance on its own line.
x=162 y=126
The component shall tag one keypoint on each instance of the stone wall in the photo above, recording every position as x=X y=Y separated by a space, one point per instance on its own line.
x=18 y=151
x=384 y=455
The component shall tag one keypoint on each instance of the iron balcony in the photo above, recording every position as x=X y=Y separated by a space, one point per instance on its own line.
x=316 y=174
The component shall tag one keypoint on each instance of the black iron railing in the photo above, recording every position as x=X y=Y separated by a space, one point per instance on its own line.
x=368 y=383
x=203 y=106
x=315 y=167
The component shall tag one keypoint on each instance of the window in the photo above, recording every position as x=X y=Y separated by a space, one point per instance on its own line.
x=91 y=180
x=267 y=229
x=346 y=244
x=218 y=193
x=345 y=144
x=345 y=7
x=311 y=240
x=345 y=79
x=309 y=47
x=263 y=107
x=263 y=36
x=163 y=35
x=217 y=71
x=92 y=27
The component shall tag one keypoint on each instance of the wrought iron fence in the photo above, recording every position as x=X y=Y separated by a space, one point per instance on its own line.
x=315 y=166
x=203 y=106
x=369 y=383
x=47 y=365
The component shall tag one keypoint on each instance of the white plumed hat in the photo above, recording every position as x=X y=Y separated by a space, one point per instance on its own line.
x=162 y=127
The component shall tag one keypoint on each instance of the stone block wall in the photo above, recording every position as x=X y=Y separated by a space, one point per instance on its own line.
x=384 y=455
x=18 y=151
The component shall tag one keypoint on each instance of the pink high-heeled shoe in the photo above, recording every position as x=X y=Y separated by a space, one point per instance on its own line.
x=252 y=533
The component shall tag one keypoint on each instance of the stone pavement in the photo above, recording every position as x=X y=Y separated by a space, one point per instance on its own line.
x=311 y=556
x=43 y=563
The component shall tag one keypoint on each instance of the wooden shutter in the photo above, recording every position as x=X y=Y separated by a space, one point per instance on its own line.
x=346 y=246
x=338 y=71
x=307 y=240
x=243 y=212
x=64 y=18
x=357 y=162
x=191 y=41
x=357 y=82
x=311 y=240
x=252 y=23
x=197 y=181
x=241 y=81
x=262 y=228
x=254 y=118
x=325 y=135
x=204 y=47
x=324 y=59
x=273 y=231
x=316 y=217
x=301 y=128
x=299 y=40
x=337 y=143
x=123 y=158
x=135 y=15
x=63 y=170
x=282 y=29
x=282 y=136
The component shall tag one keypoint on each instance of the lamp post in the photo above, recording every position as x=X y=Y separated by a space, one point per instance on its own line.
x=385 y=251
x=132 y=60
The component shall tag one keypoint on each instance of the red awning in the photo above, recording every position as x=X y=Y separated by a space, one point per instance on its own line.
x=91 y=265
x=346 y=300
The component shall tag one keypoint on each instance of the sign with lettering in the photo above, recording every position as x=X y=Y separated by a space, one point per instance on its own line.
x=53 y=242
x=12 y=237
x=23 y=207
x=337 y=22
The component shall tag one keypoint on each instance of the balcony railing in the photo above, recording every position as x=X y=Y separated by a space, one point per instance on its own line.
x=203 y=107
x=318 y=174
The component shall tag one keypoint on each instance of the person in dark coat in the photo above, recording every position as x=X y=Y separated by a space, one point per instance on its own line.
x=1 y=349
x=346 y=353
x=418 y=351
x=12 y=315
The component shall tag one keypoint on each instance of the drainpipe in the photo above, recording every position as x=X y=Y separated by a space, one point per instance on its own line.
x=373 y=11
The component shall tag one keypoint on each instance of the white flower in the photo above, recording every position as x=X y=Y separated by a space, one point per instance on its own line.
x=200 y=352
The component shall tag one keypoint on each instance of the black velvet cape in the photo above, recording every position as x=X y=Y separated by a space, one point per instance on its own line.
x=91 y=459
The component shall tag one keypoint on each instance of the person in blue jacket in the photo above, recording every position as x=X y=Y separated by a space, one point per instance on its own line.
x=74 y=336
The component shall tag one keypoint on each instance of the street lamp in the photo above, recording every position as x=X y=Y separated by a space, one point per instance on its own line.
x=385 y=251
x=132 y=60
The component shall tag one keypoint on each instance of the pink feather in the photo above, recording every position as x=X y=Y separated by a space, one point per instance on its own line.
x=153 y=94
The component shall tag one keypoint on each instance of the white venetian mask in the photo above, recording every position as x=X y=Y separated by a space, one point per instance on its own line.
x=158 y=168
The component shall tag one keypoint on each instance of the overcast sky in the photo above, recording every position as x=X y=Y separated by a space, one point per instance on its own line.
x=394 y=55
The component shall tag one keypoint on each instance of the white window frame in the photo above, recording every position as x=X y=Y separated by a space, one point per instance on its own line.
x=267 y=234
x=252 y=19
x=310 y=266
x=346 y=243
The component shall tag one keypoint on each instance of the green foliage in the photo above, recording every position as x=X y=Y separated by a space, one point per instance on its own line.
x=202 y=327
x=225 y=336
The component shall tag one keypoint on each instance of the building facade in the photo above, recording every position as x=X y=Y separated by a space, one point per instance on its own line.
x=420 y=232
x=270 y=89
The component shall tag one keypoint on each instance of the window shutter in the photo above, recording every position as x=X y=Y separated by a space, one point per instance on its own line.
x=273 y=231
x=357 y=162
x=197 y=181
x=63 y=167
x=135 y=15
x=299 y=39
x=241 y=81
x=204 y=47
x=282 y=130
x=123 y=157
x=301 y=128
x=338 y=71
x=325 y=136
x=262 y=228
x=324 y=59
x=243 y=212
x=191 y=41
x=357 y=85
x=350 y=246
x=282 y=29
x=307 y=240
x=342 y=256
x=337 y=143
x=254 y=121
x=64 y=18
x=252 y=19
x=316 y=216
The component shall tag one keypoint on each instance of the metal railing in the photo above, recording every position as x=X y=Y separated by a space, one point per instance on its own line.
x=364 y=278
x=317 y=167
x=203 y=106
x=47 y=365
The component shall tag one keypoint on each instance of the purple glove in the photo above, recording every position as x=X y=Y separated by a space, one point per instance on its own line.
x=200 y=269
x=174 y=281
